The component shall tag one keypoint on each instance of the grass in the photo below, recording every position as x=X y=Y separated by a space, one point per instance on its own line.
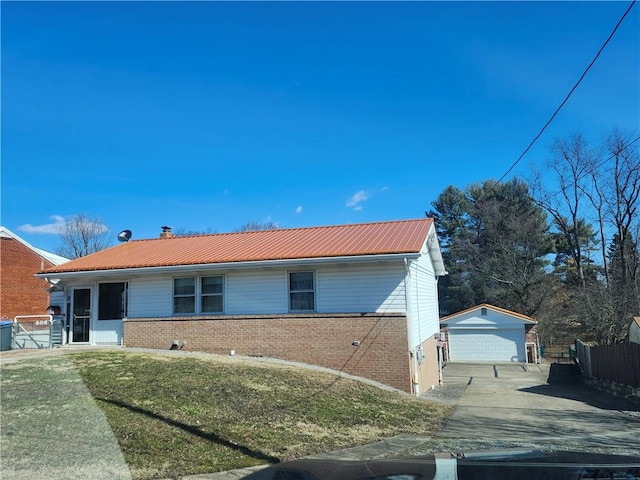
x=182 y=415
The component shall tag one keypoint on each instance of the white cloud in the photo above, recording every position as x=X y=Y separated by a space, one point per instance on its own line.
x=357 y=198
x=299 y=209
x=46 y=229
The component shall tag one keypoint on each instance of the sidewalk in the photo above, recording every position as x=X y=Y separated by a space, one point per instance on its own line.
x=9 y=356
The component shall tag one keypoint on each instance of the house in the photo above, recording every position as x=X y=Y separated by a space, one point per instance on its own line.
x=361 y=299
x=634 y=331
x=486 y=333
x=20 y=292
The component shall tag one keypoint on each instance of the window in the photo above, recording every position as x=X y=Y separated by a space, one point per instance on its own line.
x=301 y=291
x=198 y=295
x=483 y=312
x=211 y=294
x=112 y=301
x=184 y=295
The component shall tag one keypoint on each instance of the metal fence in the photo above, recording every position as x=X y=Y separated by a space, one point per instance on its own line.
x=37 y=331
x=619 y=363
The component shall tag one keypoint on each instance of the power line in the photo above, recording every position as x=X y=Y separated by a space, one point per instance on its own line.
x=569 y=94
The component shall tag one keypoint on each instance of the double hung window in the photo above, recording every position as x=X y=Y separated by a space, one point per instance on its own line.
x=211 y=294
x=198 y=295
x=184 y=295
x=301 y=292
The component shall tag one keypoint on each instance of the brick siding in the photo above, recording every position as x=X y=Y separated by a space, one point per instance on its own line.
x=20 y=292
x=316 y=339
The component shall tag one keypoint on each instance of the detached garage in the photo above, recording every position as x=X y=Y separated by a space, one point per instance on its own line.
x=485 y=333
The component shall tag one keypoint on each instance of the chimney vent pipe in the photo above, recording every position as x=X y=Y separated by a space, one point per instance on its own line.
x=166 y=232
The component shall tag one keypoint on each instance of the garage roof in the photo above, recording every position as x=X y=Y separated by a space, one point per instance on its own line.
x=525 y=318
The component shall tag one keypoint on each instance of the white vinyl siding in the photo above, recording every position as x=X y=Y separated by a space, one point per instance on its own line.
x=256 y=292
x=57 y=298
x=422 y=299
x=106 y=332
x=375 y=288
x=150 y=297
x=361 y=288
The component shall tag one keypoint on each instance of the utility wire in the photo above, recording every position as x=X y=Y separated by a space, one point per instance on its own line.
x=569 y=94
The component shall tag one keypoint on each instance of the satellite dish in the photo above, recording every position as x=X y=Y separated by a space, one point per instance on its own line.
x=124 y=236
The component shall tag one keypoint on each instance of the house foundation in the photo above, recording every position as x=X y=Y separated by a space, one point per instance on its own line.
x=373 y=346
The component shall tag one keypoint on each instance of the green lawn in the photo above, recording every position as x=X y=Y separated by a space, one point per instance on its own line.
x=179 y=415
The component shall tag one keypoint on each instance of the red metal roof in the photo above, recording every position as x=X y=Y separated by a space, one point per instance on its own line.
x=404 y=236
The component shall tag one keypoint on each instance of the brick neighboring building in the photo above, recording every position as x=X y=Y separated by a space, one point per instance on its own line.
x=21 y=293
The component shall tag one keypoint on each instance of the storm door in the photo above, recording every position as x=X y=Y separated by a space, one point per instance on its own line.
x=81 y=316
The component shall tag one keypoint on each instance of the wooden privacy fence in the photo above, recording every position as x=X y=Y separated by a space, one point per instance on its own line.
x=618 y=363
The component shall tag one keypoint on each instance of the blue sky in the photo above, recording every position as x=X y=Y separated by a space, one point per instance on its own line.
x=207 y=115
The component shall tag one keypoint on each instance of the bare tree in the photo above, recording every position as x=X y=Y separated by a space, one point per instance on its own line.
x=616 y=192
x=82 y=235
x=251 y=226
x=571 y=163
x=624 y=197
x=183 y=232
x=255 y=226
x=603 y=186
x=597 y=197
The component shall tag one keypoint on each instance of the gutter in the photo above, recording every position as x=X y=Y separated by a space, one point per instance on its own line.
x=229 y=265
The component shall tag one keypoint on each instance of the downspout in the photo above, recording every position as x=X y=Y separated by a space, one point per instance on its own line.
x=433 y=247
x=67 y=316
x=440 y=346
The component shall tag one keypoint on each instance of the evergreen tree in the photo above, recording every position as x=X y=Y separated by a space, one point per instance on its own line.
x=495 y=243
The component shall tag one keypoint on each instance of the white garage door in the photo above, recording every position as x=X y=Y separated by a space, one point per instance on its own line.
x=504 y=345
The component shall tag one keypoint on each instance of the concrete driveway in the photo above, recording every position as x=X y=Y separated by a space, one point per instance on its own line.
x=514 y=402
